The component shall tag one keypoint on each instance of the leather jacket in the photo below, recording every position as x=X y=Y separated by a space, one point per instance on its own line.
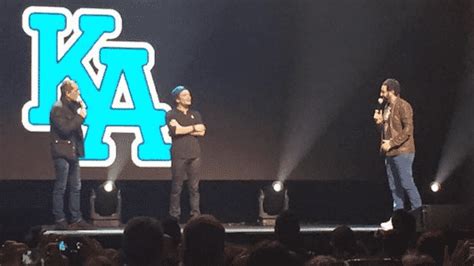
x=399 y=128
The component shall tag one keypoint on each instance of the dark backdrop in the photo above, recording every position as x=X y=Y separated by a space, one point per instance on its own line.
x=255 y=69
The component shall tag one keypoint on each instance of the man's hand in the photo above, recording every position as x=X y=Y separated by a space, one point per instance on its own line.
x=378 y=118
x=199 y=130
x=199 y=127
x=198 y=133
x=174 y=123
x=82 y=112
x=386 y=145
x=195 y=130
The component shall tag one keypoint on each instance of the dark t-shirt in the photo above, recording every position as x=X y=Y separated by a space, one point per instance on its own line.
x=184 y=146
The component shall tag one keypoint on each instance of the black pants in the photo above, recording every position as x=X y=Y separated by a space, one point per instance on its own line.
x=179 y=169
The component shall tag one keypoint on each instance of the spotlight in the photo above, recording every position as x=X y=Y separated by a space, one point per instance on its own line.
x=435 y=186
x=109 y=186
x=272 y=201
x=277 y=186
x=106 y=205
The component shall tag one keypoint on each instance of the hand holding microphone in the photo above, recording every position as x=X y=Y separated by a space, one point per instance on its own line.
x=81 y=111
x=380 y=102
x=378 y=118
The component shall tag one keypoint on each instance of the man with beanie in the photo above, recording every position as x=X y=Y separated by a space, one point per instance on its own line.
x=185 y=128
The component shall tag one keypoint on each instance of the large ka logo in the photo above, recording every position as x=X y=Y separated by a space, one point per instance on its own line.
x=114 y=78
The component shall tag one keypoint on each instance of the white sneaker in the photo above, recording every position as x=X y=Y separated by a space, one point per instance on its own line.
x=387 y=225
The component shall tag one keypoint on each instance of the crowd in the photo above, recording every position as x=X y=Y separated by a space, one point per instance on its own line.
x=148 y=241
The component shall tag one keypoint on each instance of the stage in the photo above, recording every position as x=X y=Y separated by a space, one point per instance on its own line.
x=314 y=236
x=230 y=228
x=320 y=205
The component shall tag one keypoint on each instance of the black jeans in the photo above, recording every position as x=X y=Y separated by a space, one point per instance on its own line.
x=179 y=169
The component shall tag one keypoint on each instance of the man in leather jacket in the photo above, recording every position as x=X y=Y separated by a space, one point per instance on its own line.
x=395 y=123
x=67 y=145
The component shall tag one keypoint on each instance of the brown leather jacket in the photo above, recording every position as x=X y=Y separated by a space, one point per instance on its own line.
x=400 y=129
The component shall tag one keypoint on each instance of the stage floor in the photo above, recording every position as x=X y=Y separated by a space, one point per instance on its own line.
x=229 y=229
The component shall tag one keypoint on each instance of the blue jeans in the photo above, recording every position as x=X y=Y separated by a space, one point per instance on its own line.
x=67 y=173
x=400 y=180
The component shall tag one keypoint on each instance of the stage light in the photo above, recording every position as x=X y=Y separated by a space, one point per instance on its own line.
x=277 y=186
x=106 y=205
x=109 y=186
x=435 y=186
x=272 y=201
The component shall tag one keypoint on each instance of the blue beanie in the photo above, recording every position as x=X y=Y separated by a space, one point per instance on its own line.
x=176 y=91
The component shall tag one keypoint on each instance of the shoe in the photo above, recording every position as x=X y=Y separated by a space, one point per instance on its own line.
x=194 y=215
x=61 y=225
x=386 y=226
x=81 y=225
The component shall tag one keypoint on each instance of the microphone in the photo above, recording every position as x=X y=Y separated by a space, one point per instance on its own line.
x=83 y=107
x=380 y=104
x=81 y=102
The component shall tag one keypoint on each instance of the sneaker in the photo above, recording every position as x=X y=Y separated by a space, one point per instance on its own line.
x=61 y=225
x=81 y=225
x=386 y=226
